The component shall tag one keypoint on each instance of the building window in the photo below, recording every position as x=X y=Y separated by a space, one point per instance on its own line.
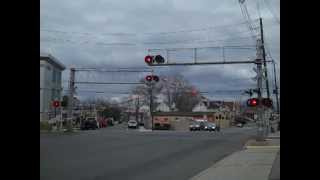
x=59 y=77
x=54 y=76
x=53 y=94
x=58 y=96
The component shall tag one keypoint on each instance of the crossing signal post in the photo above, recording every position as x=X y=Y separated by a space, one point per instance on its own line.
x=151 y=79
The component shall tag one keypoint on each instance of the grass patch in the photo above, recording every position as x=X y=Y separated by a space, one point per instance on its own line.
x=45 y=126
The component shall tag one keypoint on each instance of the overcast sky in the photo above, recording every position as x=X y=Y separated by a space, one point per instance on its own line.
x=117 y=34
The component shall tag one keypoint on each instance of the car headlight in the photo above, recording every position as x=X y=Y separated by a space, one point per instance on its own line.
x=206 y=127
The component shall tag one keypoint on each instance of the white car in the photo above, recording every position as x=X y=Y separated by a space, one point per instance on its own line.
x=239 y=125
x=133 y=124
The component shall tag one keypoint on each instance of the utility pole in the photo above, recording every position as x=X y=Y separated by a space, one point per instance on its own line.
x=276 y=87
x=70 y=99
x=151 y=104
x=264 y=58
x=260 y=133
x=137 y=109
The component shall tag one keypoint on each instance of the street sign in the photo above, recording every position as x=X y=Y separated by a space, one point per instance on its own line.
x=56 y=104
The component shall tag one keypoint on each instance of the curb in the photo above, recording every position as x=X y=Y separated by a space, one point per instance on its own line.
x=262 y=147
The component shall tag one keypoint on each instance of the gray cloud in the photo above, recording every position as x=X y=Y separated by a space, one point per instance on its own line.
x=85 y=38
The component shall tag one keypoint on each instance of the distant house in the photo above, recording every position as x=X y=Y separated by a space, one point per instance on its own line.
x=227 y=109
x=162 y=107
x=50 y=84
x=200 y=107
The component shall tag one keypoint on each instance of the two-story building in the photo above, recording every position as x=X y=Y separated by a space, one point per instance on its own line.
x=50 y=84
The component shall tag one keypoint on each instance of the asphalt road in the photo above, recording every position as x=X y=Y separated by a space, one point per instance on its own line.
x=120 y=154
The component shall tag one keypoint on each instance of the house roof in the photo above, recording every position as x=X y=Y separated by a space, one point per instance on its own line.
x=214 y=104
x=52 y=60
x=230 y=105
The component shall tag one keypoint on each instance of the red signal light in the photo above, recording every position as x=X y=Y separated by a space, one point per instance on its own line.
x=149 y=78
x=252 y=102
x=56 y=104
x=148 y=59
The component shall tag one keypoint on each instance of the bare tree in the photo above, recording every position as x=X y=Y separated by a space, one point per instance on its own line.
x=144 y=93
x=176 y=90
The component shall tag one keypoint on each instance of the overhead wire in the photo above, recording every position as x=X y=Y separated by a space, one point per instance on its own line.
x=60 y=40
x=143 y=33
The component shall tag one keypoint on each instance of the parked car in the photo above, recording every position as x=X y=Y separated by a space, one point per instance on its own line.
x=195 y=126
x=133 y=124
x=89 y=123
x=203 y=125
x=210 y=127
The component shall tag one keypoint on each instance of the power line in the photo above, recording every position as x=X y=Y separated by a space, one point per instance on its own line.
x=142 y=33
x=101 y=70
x=207 y=47
x=198 y=41
x=120 y=83
x=56 y=40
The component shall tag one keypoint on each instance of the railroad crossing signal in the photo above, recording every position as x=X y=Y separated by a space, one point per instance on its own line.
x=56 y=104
x=150 y=78
x=150 y=60
x=252 y=102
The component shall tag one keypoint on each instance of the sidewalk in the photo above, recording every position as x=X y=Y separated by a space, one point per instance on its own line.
x=255 y=162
